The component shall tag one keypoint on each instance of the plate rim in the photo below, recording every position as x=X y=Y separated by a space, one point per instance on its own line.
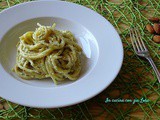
x=77 y=101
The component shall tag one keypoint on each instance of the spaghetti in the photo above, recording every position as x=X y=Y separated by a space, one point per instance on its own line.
x=47 y=52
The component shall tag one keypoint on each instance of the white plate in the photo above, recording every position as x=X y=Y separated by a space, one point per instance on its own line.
x=100 y=42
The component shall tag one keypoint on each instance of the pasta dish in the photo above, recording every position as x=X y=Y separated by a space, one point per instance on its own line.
x=47 y=52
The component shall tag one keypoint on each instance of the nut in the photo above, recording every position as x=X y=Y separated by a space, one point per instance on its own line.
x=154 y=19
x=156 y=27
x=150 y=28
x=156 y=38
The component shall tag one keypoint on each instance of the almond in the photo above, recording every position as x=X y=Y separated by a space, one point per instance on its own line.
x=154 y=19
x=156 y=38
x=156 y=27
x=150 y=28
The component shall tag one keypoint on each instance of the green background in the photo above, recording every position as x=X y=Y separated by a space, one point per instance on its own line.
x=135 y=80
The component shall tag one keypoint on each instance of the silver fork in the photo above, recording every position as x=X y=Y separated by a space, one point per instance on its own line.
x=141 y=50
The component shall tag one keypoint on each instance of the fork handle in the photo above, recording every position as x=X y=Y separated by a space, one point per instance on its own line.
x=154 y=68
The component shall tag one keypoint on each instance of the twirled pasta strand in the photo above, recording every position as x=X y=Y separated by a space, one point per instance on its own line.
x=47 y=52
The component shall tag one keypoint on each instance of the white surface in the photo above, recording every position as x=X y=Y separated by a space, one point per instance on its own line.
x=100 y=42
x=83 y=36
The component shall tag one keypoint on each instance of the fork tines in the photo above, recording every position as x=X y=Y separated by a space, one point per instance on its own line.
x=136 y=39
